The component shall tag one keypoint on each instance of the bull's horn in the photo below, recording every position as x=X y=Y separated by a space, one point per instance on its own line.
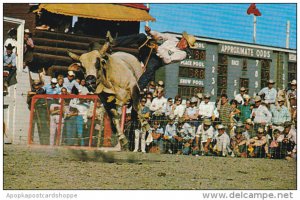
x=104 y=48
x=73 y=55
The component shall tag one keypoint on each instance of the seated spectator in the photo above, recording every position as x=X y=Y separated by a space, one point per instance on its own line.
x=238 y=144
x=170 y=132
x=9 y=67
x=222 y=146
x=155 y=138
x=204 y=136
x=256 y=145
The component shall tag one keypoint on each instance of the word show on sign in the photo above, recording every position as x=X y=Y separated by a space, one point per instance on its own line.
x=194 y=82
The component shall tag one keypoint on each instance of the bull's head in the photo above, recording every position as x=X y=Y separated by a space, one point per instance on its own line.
x=92 y=61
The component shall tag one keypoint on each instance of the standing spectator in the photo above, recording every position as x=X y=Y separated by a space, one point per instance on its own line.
x=222 y=147
x=280 y=114
x=158 y=106
x=98 y=123
x=169 y=106
x=73 y=126
x=191 y=113
x=149 y=98
x=151 y=87
x=240 y=97
x=256 y=145
x=52 y=88
x=269 y=93
x=224 y=111
x=204 y=137
x=178 y=108
x=9 y=67
x=143 y=126
x=60 y=83
x=12 y=39
x=83 y=88
x=206 y=108
x=54 y=123
x=70 y=82
x=234 y=113
x=261 y=114
x=28 y=48
x=245 y=109
x=169 y=136
x=293 y=90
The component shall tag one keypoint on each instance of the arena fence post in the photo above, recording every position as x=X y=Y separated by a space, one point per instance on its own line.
x=60 y=121
x=123 y=118
x=33 y=100
x=93 y=122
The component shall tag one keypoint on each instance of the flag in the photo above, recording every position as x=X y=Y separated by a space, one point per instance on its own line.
x=253 y=10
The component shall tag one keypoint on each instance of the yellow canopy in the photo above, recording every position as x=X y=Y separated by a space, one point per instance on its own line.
x=111 y=12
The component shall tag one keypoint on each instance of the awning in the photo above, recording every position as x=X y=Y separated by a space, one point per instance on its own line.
x=111 y=12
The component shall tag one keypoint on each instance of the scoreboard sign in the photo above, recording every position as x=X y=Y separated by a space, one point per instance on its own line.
x=245 y=51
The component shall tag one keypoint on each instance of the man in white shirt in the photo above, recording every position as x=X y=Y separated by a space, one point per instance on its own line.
x=262 y=116
x=158 y=104
x=206 y=108
x=178 y=108
x=204 y=136
x=222 y=147
x=240 y=97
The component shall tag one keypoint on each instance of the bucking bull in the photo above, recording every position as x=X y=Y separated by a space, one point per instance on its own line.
x=117 y=76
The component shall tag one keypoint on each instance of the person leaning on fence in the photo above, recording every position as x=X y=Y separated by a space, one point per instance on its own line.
x=280 y=114
x=238 y=144
x=55 y=123
x=185 y=137
x=288 y=140
x=249 y=131
x=70 y=82
x=275 y=146
x=257 y=145
x=170 y=132
x=204 y=137
x=222 y=146
x=155 y=140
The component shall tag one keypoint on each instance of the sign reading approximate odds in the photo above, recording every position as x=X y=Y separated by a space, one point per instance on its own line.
x=245 y=51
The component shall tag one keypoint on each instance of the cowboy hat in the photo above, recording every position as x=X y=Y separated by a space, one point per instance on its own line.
x=199 y=95
x=260 y=130
x=9 y=47
x=280 y=98
x=194 y=100
x=271 y=81
x=294 y=82
x=27 y=31
x=161 y=83
x=207 y=96
x=246 y=96
x=220 y=126
x=71 y=73
x=207 y=122
x=242 y=89
x=257 y=98
x=54 y=80
x=189 y=38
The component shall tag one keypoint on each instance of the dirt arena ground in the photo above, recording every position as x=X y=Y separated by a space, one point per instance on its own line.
x=46 y=168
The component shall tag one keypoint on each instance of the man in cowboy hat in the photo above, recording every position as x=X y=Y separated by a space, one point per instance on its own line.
x=280 y=114
x=256 y=145
x=262 y=116
x=28 y=47
x=245 y=108
x=204 y=136
x=12 y=39
x=206 y=108
x=293 y=90
x=269 y=92
x=222 y=147
x=9 y=66
x=171 y=49
x=70 y=82
x=249 y=130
